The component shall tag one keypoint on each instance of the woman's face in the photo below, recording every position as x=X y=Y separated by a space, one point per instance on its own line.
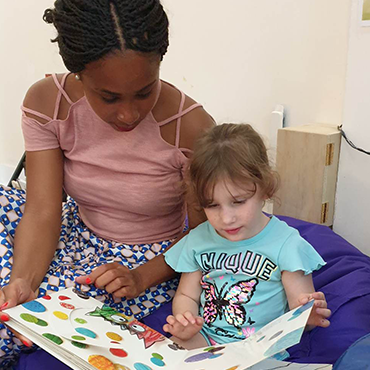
x=122 y=88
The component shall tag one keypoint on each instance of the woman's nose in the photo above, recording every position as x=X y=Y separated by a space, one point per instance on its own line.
x=128 y=114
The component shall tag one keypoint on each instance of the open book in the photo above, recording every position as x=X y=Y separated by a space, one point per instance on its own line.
x=85 y=334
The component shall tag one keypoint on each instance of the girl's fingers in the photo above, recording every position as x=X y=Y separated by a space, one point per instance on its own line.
x=171 y=319
x=324 y=312
x=199 y=321
x=324 y=323
x=321 y=304
x=167 y=328
x=319 y=296
x=182 y=320
x=189 y=316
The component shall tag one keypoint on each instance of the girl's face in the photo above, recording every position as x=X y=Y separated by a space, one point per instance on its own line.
x=236 y=213
x=122 y=88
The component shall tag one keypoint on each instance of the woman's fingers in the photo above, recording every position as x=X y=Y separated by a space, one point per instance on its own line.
x=17 y=292
x=85 y=280
x=114 y=278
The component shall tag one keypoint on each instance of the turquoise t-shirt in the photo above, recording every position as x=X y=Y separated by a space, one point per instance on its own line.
x=241 y=284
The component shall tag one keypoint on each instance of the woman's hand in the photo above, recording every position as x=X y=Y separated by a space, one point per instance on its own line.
x=17 y=292
x=116 y=279
x=320 y=312
x=183 y=326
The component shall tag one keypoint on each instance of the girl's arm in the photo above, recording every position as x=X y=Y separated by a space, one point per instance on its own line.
x=188 y=294
x=185 y=322
x=299 y=290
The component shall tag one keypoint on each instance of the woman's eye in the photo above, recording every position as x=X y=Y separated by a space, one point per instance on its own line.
x=143 y=96
x=109 y=100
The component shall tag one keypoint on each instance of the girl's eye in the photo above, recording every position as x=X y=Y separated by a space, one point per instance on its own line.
x=109 y=100
x=240 y=201
x=143 y=96
x=211 y=206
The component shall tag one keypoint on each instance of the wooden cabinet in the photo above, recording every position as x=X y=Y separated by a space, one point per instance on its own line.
x=307 y=160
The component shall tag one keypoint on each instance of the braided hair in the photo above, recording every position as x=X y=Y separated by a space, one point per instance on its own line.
x=90 y=29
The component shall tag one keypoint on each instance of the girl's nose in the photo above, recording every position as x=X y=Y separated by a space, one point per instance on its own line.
x=228 y=216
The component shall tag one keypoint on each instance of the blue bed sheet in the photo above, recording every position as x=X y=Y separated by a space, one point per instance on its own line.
x=345 y=280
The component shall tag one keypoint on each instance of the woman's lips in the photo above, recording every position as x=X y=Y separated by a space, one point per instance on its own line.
x=124 y=128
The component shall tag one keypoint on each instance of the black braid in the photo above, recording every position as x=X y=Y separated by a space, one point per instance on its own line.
x=87 y=29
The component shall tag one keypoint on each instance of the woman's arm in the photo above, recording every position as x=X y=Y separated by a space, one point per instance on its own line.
x=37 y=234
x=299 y=290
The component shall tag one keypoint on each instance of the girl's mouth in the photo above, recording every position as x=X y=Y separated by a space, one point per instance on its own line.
x=233 y=231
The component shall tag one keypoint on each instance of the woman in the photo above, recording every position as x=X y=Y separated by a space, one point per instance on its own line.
x=116 y=139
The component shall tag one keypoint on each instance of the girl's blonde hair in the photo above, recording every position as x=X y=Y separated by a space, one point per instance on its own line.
x=233 y=152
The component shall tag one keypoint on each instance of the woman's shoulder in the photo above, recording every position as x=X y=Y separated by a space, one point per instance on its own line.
x=41 y=98
x=193 y=123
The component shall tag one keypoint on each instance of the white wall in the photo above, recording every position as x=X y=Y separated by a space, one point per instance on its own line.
x=353 y=191
x=26 y=55
x=239 y=58
x=242 y=57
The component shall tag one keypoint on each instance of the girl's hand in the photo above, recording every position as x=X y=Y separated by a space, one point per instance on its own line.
x=13 y=294
x=320 y=312
x=183 y=326
x=115 y=279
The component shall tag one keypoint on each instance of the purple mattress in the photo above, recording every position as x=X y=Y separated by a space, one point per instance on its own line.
x=345 y=280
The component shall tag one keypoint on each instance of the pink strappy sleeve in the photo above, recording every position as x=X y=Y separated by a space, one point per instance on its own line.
x=38 y=136
x=43 y=136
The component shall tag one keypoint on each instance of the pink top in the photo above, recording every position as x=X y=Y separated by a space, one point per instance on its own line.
x=127 y=185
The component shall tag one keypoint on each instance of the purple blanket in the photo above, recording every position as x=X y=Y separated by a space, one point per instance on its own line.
x=345 y=280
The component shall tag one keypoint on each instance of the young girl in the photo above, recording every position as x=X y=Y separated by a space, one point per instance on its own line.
x=240 y=269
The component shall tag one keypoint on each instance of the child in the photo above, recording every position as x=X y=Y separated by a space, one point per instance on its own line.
x=240 y=269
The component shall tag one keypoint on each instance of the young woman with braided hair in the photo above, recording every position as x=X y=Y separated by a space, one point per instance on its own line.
x=117 y=139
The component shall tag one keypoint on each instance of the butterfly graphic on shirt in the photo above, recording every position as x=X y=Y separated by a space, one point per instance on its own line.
x=250 y=321
x=227 y=302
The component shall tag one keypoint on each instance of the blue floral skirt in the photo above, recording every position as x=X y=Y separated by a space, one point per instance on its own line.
x=79 y=252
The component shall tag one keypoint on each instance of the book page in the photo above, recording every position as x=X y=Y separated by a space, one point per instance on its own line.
x=85 y=334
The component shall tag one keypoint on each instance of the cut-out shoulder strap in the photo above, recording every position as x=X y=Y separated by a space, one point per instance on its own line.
x=178 y=116
x=37 y=114
x=61 y=91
